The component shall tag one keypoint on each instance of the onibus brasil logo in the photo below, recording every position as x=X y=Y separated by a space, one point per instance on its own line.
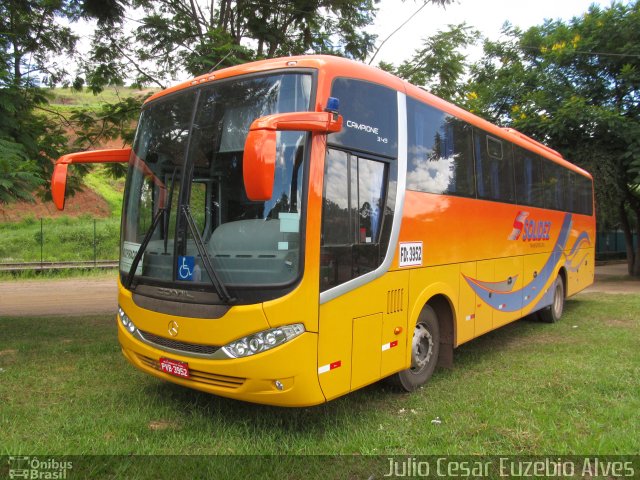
x=36 y=468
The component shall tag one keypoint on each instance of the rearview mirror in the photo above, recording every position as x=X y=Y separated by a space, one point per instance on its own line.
x=59 y=177
x=259 y=161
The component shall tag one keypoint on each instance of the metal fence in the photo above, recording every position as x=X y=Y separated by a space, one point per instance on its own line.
x=59 y=243
x=94 y=242
x=611 y=244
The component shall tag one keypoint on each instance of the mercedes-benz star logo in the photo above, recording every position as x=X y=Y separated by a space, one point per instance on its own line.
x=173 y=328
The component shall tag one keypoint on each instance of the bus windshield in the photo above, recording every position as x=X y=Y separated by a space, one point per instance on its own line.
x=186 y=211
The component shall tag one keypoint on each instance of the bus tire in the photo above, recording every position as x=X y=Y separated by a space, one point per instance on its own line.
x=425 y=348
x=553 y=312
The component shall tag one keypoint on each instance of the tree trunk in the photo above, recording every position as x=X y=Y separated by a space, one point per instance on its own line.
x=635 y=270
x=17 y=74
x=628 y=238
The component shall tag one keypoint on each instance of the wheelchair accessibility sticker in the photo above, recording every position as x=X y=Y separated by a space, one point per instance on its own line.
x=186 y=267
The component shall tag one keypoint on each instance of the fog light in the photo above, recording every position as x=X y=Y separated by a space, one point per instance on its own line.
x=279 y=385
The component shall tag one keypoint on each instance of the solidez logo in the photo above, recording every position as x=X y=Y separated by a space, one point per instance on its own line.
x=529 y=229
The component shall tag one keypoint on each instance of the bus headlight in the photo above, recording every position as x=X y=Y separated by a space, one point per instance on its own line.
x=262 y=341
x=125 y=320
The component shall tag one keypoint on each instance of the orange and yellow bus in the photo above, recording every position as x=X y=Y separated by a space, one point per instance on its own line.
x=295 y=229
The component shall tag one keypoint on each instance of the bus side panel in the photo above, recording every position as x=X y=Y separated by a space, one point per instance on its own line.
x=508 y=277
x=484 y=312
x=366 y=357
x=364 y=335
x=467 y=304
x=533 y=265
x=334 y=348
x=396 y=333
x=579 y=261
x=430 y=281
x=457 y=229
x=580 y=272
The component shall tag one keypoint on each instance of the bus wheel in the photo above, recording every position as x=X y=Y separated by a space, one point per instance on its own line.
x=425 y=348
x=553 y=312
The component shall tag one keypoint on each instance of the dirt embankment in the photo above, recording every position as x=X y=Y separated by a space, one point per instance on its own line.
x=86 y=202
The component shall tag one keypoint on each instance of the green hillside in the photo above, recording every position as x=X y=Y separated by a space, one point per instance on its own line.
x=84 y=237
x=67 y=99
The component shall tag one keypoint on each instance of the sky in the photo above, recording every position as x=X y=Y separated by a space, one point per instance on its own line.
x=488 y=16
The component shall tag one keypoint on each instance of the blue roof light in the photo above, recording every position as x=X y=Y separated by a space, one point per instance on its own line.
x=333 y=105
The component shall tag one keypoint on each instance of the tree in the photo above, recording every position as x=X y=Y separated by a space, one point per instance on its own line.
x=572 y=85
x=170 y=38
x=174 y=36
x=575 y=86
x=439 y=66
x=32 y=36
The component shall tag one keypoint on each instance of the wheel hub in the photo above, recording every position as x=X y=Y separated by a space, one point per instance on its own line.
x=422 y=347
x=557 y=302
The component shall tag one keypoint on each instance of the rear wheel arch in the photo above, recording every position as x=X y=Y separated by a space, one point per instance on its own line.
x=445 y=313
x=553 y=312
x=562 y=273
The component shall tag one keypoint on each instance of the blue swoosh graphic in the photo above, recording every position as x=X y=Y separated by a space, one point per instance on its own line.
x=513 y=301
x=583 y=237
x=575 y=267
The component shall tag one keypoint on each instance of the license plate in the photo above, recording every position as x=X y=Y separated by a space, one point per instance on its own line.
x=174 y=367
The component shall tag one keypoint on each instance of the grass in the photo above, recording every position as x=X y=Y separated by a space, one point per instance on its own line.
x=67 y=238
x=62 y=239
x=109 y=188
x=569 y=388
x=50 y=275
x=67 y=99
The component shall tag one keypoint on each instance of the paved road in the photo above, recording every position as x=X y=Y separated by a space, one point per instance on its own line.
x=89 y=296
x=606 y=283
x=78 y=296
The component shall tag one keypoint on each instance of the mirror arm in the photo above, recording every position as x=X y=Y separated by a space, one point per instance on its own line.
x=318 y=122
x=59 y=177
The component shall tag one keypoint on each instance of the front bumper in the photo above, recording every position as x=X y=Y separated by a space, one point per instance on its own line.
x=251 y=379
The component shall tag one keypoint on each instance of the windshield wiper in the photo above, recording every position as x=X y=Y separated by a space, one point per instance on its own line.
x=143 y=247
x=206 y=260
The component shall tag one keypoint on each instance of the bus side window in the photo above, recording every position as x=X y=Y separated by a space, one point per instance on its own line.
x=554 y=185
x=494 y=168
x=440 y=153
x=528 y=173
x=570 y=191
x=584 y=196
x=370 y=113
